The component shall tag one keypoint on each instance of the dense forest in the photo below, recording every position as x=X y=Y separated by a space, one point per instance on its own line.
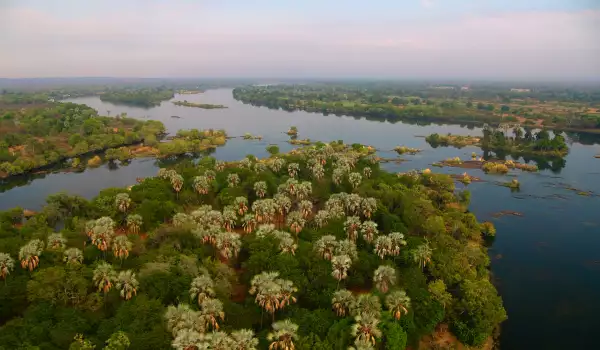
x=37 y=136
x=150 y=97
x=315 y=249
x=446 y=103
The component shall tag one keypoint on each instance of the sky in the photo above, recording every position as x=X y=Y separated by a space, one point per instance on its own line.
x=393 y=39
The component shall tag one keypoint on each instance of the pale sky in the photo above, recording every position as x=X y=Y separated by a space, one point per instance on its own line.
x=473 y=39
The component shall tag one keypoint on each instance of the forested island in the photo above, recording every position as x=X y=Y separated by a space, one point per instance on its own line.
x=149 y=97
x=523 y=142
x=41 y=135
x=315 y=249
x=549 y=107
x=185 y=103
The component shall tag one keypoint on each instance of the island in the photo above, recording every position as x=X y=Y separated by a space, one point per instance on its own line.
x=544 y=107
x=38 y=136
x=149 y=97
x=185 y=103
x=319 y=246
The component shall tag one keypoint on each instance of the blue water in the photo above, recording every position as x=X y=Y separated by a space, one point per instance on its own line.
x=545 y=263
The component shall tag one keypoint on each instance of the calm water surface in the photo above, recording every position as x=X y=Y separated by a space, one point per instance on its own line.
x=546 y=263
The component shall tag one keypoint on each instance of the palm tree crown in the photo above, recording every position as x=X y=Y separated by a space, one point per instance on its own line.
x=121 y=247
x=398 y=303
x=128 y=284
x=104 y=277
x=56 y=241
x=7 y=264
x=283 y=335
x=123 y=202
x=384 y=277
x=29 y=254
x=202 y=287
x=73 y=256
x=134 y=222
x=342 y=301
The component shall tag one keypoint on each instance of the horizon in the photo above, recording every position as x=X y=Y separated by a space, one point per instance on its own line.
x=539 y=41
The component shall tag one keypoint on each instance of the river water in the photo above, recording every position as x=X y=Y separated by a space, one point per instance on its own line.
x=545 y=263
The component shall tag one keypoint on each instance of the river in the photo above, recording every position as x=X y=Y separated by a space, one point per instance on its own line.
x=546 y=263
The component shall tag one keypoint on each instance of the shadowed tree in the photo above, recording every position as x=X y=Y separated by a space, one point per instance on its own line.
x=368 y=206
x=233 y=180
x=73 y=256
x=56 y=241
x=283 y=335
x=398 y=303
x=322 y=218
x=241 y=203
x=293 y=169
x=260 y=188
x=244 y=339
x=342 y=301
x=134 y=222
x=368 y=229
x=117 y=341
x=351 y=226
x=201 y=184
x=438 y=290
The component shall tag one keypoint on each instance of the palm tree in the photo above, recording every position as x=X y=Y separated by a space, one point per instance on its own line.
x=219 y=166
x=383 y=246
x=202 y=287
x=353 y=203
x=398 y=303
x=286 y=242
x=342 y=301
x=368 y=206
x=121 y=247
x=272 y=293
x=293 y=169
x=228 y=244
x=304 y=190
x=248 y=223
x=201 y=184
x=134 y=222
x=177 y=183
x=367 y=172
x=211 y=310
x=296 y=222
x=127 y=283
x=182 y=317
x=290 y=186
x=89 y=227
x=244 y=339
x=283 y=335
x=7 y=264
x=56 y=241
x=214 y=218
x=325 y=246
x=73 y=256
x=103 y=233
x=322 y=218
x=366 y=304
x=208 y=234
x=220 y=341
x=338 y=175
x=229 y=218
x=397 y=241
x=123 y=202
x=318 y=171
x=422 y=254
x=351 y=226
x=347 y=247
x=241 y=203
x=29 y=254
x=365 y=328
x=260 y=188
x=260 y=167
x=355 y=179
x=188 y=339
x=340 y=265
x=163 y=173
x=233 y=180
x=104 y=277
x=277 y=164
x=362 y=344
x=384 y=277
x=368 y=230
x=265 y=230
x=182 y=219
x=305 y=208
x=245 y=163
x=210 y=175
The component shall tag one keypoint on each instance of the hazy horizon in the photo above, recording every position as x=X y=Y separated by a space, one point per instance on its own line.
x=551 y=40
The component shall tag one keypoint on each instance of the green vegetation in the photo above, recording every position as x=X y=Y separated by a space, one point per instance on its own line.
x=307 y=249
x=185 y=103
x=35 y=137
x=543 y=106
x=149 y=97
x=494 y=140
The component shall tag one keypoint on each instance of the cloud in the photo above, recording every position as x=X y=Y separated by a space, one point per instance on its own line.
x=427 y=3
x=196 y=40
